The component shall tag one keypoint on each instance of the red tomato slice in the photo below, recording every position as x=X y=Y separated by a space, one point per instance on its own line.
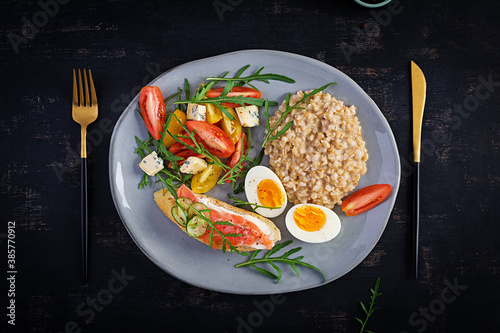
x=365 y=199
x=236 y=91
x=178 y=147
x=238 y=152
x=153 y=110
x=215 y=140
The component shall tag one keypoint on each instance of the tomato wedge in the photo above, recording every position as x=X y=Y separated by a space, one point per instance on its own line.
x=365 y=199
x=236 y=91
x=153 y=110
x=239 y=151
x=215 y=140
x=178 y=147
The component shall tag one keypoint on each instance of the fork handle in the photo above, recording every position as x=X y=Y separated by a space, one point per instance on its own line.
x=84 y=219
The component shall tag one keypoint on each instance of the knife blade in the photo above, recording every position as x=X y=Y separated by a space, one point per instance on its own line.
x=418 y=92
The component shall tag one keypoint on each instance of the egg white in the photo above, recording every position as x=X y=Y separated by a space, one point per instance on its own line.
x=254 y=176
x=328 y=232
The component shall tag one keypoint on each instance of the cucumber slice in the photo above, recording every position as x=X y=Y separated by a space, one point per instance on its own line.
x=196 y=226
x=180 y=216
x=197 y=206
x=185 y=203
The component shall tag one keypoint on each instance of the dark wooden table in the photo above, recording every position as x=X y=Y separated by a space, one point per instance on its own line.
x=126 y=44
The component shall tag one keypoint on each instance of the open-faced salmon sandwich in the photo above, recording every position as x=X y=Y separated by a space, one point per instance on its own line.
x=252 y=231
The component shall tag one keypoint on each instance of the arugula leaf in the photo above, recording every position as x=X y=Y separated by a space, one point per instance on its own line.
x=282 y=131
x=177 y=94
x=145 y=181
x=187 y=88
x=237 y=202
x=254 y=77
x=288 y=109
x=369 y=312
x=285 y=258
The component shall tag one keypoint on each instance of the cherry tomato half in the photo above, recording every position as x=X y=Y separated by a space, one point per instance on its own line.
x=236 y=91
x=214 y=114
x=178 y=147
x=174 y=127
x=205 y=180
x=232 y=127
x=215 y=140
x=153 y=110
x=365 y=199
x=240 y=150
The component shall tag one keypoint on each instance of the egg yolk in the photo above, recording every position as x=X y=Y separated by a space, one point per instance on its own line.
x=270 y=193
x=309 y=218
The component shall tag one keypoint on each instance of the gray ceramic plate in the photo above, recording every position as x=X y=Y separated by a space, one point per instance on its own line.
x=195 y=263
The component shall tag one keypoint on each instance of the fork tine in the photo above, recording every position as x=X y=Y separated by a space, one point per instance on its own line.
x=86 y=85
x=75 y=93
x=92 y=90
x=80 y=88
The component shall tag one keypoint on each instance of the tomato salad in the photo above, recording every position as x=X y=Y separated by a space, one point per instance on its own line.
x=207 y=127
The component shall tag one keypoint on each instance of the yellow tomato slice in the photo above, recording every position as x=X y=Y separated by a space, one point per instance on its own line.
x=232 y=127
x=205 y=180
x=214 y=114
x=174 y=128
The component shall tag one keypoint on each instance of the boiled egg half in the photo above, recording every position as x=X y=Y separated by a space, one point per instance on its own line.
x=264 y=188
x=312 y=223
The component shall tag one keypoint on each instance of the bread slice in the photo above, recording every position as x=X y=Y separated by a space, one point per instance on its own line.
x=166 y=202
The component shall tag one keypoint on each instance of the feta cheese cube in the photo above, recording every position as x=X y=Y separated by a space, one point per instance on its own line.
x=151 y=164
x=193 y=165
x=248 y=115
x=196 y=112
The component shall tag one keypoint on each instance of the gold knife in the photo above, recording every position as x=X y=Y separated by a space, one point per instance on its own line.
x=418 y=91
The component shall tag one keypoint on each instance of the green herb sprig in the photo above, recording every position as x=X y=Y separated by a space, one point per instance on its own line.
x=238 y=203
x=368 y=312
x=285 y=258
x=239 y=81
x=289 y=108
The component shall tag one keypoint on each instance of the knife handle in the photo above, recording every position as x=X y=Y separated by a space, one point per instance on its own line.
x=416 y=216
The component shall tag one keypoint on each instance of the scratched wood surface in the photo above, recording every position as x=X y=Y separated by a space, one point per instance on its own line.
x=126 y=43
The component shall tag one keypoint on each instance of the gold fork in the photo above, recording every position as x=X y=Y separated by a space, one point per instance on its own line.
x=84 y=112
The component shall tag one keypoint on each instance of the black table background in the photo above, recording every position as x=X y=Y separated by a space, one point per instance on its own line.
x=126 y=44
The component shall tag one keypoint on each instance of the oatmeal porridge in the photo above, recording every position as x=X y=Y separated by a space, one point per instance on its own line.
x=321 y=157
